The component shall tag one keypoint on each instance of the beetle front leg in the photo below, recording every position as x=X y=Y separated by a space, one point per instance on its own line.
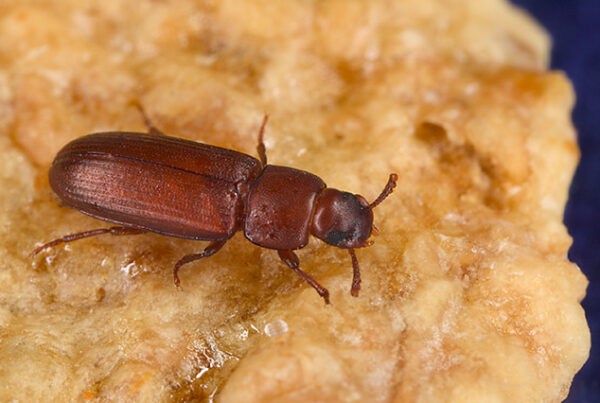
x=87 y=234
x=355 y=274
x=290 y=258
x=210 y=250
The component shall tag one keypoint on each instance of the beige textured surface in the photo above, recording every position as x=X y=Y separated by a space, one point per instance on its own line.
x=467 y=294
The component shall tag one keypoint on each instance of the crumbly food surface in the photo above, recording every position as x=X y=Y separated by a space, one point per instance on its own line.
x=467 y=293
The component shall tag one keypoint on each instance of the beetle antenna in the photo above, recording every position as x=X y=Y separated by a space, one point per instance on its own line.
x=387 y=190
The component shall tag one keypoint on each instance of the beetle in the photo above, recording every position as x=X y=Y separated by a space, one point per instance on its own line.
x=150 y=182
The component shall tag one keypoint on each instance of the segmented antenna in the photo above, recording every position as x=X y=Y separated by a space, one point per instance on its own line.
x=387 y=190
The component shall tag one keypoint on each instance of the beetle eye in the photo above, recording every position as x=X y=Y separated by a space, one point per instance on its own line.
x=336 y=237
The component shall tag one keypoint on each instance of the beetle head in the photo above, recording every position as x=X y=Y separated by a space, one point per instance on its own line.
x=345 y=220
x=342 y=219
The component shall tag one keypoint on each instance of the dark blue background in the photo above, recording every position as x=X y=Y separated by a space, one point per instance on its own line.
x=575 y=29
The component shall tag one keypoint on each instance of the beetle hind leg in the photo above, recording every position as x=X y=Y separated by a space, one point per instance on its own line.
x=151 y=128
x=210 y=250
x=87 y=234
x=290 y=258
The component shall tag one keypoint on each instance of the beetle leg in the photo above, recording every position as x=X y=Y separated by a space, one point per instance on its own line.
x=151 y=128
x=210 y=250
x=356 y=274
x=260 y=148
x=87 y=234
x=290 y=258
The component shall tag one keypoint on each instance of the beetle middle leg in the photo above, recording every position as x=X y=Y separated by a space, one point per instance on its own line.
x=87 y=234
x=210 y=250
x=260 y=148
x=290 y=258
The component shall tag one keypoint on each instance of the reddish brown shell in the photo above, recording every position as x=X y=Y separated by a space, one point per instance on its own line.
x=280 y=207
x=157 y=183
